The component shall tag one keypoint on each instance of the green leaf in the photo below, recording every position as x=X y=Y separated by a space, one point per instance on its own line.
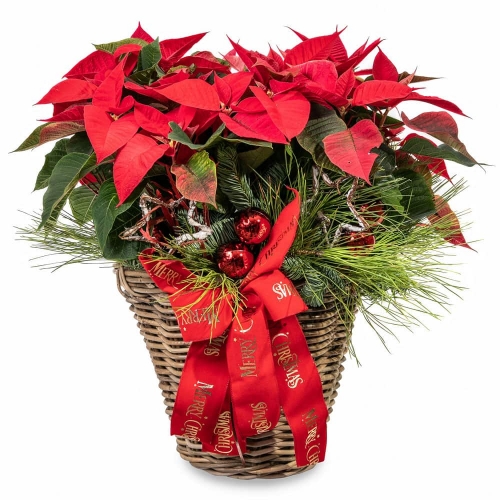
x=110 y=221
x=59 y=150
x=146 y=76
x=417 y=198
x=390 y=195
x=197 y=180
x=421 y=146
x=105 y=211
x=80 y=143
x=150 y=55
x=251 y=142
x=81 y=200
x=179 y=135
x=253 y=158
x=385 y=163
x=66 y=174
x=322 y=123
x=49 y=132
x=112 y=46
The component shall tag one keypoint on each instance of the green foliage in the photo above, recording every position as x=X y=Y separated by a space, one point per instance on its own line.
x=58 y=151
x=81 y=201
x=232 y=182
x=65 y=175
x=189 y=171
x=423 y=147
x=110 y=220
x=322 y=122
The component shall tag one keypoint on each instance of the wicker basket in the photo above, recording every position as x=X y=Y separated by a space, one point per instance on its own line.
x=269 y=455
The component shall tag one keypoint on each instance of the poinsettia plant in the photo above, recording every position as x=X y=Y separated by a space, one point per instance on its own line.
x=158 y=149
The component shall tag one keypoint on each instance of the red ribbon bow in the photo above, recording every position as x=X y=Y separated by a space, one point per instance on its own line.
x=242 y=368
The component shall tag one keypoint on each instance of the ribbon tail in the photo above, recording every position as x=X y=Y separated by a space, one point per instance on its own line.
x=224 y=439
x=253 y=387
x=202 y=391
x=301 y=391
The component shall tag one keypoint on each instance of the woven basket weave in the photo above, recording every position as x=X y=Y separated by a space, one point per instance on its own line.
x=269 y=455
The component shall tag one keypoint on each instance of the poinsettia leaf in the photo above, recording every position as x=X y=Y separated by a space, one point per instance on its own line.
x=436 y=101
x=81 y=200
x=322 y=122
x=350 y=150
x=339 y=51
x=383 y=68
x=237 y=84
x=109 y=94
x=142 y=34
x=130 y=51
x=442 y=126
x=253 y=126
x=289 y=112
x=149 y=55
x=194 y=93
x=65 y=175
x=345 y=83
x=386 y=159
x=252 y=159
x=178 y=135
x=49 y=132
x=322 y=73
x=145 y=77
x=197 y=180
x=435 y=165
x=105 y=134
x=152 y=120
x=58 y=151
x=224 y=89
x=315 y=48
x=376 y=91
x=176 y=47
x=417 y=197
x=447 y=223
x=72 y=113
x=246 y=62
x=203 y=61
x=112 y=46
x=390 y=195
x=300 y=35
x=106 y=209
x=70 y=90
x=111 y=219
x=94 y=63
x=357 y=56
x=79 y=143
x=232 y=138
x=423 y=147
x=133 y=162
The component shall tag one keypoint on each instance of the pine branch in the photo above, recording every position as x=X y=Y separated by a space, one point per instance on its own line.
x=231 y=181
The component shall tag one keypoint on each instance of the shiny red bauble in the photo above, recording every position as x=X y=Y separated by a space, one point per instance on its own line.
x=360 y=241
x=252 y=226
x=234 y=259
x=372 y=213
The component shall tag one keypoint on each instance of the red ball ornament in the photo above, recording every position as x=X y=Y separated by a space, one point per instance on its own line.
x=360 y=241
x=252 y=226
x=373 y=213
x=234 y=259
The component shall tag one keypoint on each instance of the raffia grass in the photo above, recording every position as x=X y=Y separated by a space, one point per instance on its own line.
x=269 y=455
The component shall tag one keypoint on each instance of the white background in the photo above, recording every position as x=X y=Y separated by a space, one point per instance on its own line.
x=81 y=416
